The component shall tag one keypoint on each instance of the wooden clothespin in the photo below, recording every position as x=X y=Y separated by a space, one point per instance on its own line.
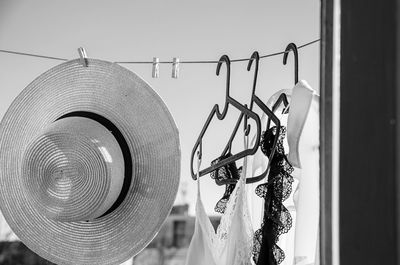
x=83 y=56
x=175 y=68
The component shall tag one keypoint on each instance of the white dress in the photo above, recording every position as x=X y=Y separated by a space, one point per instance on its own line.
x=232 y=243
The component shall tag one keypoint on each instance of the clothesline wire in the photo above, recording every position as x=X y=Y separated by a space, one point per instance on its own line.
x=34 y=55
x=162 y=62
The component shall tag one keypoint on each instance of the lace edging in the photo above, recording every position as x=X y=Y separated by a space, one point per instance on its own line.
x=278 y=188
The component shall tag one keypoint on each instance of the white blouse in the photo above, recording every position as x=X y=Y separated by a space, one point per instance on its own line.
x=303 y=138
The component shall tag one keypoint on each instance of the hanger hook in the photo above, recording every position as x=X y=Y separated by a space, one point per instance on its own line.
x=224 y=59
x=292 y=47
x=254 y=57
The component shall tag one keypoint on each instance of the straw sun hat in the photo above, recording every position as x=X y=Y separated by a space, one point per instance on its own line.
x=89 y=164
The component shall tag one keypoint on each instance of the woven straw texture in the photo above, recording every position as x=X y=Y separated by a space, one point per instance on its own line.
x=127 y=101
x=74 y=170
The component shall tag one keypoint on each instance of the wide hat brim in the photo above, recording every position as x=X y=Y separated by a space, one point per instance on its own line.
x=122 y=97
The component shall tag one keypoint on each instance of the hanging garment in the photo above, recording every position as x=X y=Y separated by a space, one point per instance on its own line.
x=232 y=243
x=303 y=142
x=301 y=242
x=256 y=165
x=277 y=219
x=303 y=139
x=226 y=172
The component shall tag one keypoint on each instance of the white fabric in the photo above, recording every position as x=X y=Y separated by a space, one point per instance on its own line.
x=232 y=243
x=6 y=234
x=301 y=98
x=128 y=262
x=307 y=200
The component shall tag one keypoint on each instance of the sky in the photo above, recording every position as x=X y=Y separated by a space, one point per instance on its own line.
x=190 y=30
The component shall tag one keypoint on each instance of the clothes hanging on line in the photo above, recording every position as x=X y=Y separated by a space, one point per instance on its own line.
x=229 y=171
x=231 y=244
x=277 y=219
x=296 y=245
x=258 y=164
x=301 y=243
x=304 y=141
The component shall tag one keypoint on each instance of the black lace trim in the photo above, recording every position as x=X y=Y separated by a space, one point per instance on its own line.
x=277 y=219
x=229 y=171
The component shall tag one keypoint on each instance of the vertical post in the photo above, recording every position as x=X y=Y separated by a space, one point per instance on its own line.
x=397 y=105
x=369 y=133
x=326 y=70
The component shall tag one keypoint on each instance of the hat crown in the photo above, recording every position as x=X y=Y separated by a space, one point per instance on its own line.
x=73 y=170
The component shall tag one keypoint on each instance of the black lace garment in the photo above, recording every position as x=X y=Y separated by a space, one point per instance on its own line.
x=229 y=171
x=277 y=219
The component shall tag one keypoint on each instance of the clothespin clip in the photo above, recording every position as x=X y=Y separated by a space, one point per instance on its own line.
x=175 y=68
x=83 y=56
x=155 y=73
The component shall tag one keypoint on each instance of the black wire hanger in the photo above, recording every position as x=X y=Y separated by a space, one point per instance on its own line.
x=255 y=99
x=221 y=115
x=292 y=47
x=282 y=97
x=256 y=58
